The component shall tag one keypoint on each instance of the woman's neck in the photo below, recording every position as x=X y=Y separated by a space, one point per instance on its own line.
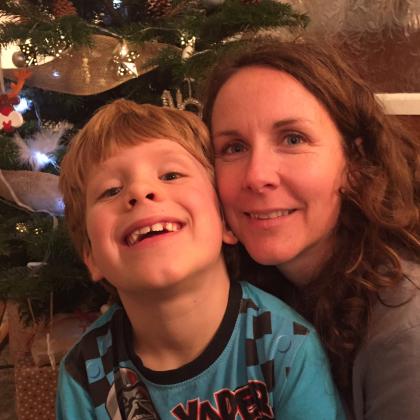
x=304 y=268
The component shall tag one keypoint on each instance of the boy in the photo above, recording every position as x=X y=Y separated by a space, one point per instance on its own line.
x=185 y=343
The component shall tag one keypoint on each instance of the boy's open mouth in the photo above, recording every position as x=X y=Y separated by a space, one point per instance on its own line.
x=138 y=235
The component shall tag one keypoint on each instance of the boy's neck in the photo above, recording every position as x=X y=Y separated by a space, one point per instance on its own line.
x=173 y=327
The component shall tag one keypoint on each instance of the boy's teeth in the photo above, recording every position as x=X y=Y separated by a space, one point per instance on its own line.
x=172 y=227
x=143 y=230
x=156 y=227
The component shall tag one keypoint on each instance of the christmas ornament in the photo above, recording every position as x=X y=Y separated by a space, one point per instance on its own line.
x=19 y=59
x=40 y=150
x=85 y=70
x=12 y=56
x=88 y=71
x=62 y=8
x=158 y=8
x=33 y=191
x=9 y=118
x=30 y=53
x=189 y=104
x=188 y=44
x=125 y=60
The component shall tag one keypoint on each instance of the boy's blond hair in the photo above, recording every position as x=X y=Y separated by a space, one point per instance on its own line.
x=123 y=123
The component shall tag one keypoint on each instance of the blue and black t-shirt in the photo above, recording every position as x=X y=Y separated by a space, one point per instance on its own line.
x=265 y=362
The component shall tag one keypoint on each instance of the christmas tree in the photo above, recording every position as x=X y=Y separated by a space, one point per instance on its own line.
x=65 y=59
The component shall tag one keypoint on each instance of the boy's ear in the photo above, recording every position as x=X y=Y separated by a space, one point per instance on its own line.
x=94 y=271
x=228 y=236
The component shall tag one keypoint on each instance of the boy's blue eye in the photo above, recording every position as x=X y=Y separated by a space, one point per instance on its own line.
x=170 y=176
x=110 y=192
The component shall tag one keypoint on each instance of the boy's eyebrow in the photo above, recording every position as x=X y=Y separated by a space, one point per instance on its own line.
x=170 y=154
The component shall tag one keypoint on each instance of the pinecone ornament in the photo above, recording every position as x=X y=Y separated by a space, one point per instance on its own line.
x=158 y=8
x=62 y=8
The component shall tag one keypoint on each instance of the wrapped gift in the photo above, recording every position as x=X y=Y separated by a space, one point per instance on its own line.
x=4 y=322
x=52 y=342
x=35 y=390
x=36 y=352
x=20 y=336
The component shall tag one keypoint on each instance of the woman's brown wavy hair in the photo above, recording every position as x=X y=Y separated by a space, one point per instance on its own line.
x=379 y=218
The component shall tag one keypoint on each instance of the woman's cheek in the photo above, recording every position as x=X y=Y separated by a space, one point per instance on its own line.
x=227 y=183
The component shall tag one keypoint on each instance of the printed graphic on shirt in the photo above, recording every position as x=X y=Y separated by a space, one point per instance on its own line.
x=247 y=402
x=129 y=395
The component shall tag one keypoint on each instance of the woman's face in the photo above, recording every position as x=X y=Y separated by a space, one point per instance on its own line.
x=279 y=167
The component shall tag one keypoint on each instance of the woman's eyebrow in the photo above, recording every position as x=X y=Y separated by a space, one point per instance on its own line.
x=290 y=121
x=225 y=133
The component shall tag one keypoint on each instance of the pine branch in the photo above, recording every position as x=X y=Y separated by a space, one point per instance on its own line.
x=8 y=153
x=20 y=9
x=45 y=33
x=235 y=17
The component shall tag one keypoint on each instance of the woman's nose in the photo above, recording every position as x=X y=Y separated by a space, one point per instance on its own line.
x=262 y=171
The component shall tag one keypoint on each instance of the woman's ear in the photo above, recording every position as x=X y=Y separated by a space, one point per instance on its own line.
x=95 y=272
x=351 y=176
x=359 y=145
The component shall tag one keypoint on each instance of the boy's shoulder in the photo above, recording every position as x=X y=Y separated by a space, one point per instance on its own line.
x=104 y=319
x=89 y=353
x=262 y=302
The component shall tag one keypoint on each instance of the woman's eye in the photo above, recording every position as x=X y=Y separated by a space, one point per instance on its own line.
x=170 y=176
x=294 y=139
x=233 y=148
x=110 y=192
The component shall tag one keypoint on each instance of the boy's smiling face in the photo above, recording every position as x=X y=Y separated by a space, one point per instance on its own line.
x=152 y=217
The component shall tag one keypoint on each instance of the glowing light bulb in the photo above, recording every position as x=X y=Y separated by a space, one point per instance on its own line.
x=41 y=159
x=21 y=227
x=24 y=105
x=59 y=206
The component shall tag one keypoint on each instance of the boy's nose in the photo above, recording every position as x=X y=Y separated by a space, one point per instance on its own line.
x=149 y=196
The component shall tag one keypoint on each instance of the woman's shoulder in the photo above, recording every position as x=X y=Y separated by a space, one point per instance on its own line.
x=398 y=308
x=388 y=362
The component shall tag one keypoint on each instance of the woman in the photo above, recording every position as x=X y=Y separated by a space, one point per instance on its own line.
x=316 y=181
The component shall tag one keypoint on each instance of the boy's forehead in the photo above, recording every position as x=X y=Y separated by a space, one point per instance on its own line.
x=163 y=149
x=158 y=143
